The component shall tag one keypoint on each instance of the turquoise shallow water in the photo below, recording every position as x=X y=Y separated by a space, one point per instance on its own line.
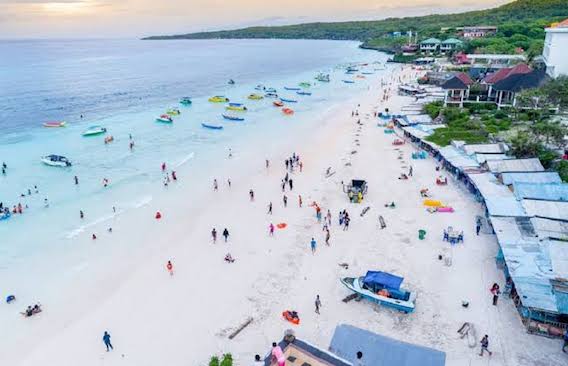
x=124 y=86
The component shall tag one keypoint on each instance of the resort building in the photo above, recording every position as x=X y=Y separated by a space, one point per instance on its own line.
x=450 y=45
x=496 y=61
x=478 y=32
x=430 y=45
x=457 y=89
x=555 y=52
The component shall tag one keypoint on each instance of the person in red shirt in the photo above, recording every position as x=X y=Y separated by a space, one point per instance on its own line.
x=170 y=268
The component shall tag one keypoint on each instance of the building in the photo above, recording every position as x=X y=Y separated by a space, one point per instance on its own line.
x=496 y=61
x=508 y=88
x=430 y=45
x=477 y=32
x=450 y=45
x=457 y=89
x=555 y=51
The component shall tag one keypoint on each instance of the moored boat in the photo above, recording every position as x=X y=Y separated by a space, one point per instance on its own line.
x=288 y=100
x=305 y=84
x=94 y=131
x=255 y=97
x=56 y=160
x=348 y=81
x=219 y=99
x=303 y=93
x=211 y=127
x=232 y=118
x=270 y=90
x=185 y=101
x=278 y=103
x=239 y=107
x=259 y=87
x=271 y=95
x=54 y=124
x=173 y=112
x=324 y=78
x=382 y=288
x=164 y=118
x=287 y=111
x=291 y=88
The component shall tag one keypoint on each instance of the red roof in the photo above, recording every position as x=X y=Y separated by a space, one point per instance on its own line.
x=563 y=24
x=506 y=72
x=465 y=78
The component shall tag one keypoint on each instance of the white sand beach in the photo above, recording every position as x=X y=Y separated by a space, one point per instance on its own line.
x=158 y=319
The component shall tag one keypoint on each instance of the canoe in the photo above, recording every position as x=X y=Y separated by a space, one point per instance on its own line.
x=185 y=101
x=164 y=118
x=219 y=99
x=271 y=95
x=94 y=131
x=232 y=118
x=255 y=97
x=278 y=103
x=288 y=100
x=382 y=288
x=291 y=88
x=303 y=93
x=52 y=124
x=287 y=111
x=270 y=90
x=211 y=127
x=348 y=81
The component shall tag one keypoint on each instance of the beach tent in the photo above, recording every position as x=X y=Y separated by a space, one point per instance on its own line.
x=379 y=350
x=377 y=278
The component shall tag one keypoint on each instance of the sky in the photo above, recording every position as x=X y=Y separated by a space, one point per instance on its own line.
x=137 y=18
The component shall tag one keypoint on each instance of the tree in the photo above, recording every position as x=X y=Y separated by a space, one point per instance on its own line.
x=523 y=145
x=552 y=132
x=557 y=91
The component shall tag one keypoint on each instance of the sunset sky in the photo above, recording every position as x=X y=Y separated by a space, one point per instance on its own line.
x=135 y=18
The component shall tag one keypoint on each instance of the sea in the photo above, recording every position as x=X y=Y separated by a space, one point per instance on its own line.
x=124 y=85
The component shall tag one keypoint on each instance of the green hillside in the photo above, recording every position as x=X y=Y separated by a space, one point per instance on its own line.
x=372 y=33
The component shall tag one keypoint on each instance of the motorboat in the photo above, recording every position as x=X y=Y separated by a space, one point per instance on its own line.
x=255 y=97
x=94 y=131
x=382 y=288
x=259 y=87
x=271 y=95
x=236 y=107
x=348 y=81
x=278 y=103
x=291 y=88
x=219 y=99
x=270 y=90
x=287 y=111
x=303 y=93
x=232 y=118
x=211 y=127
x=324 y=78
x=231 y=82
x=285 y=100
x=305 y=84
x=164 y=118
x=56 y=160
x=54 y=124
x=186 y=101
x=173 y=112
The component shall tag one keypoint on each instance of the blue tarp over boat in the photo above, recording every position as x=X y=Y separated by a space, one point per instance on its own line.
x=385 y=279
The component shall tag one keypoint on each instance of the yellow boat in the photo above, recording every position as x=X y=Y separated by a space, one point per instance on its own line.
x=173 y=112
x=236 y=107
x=218 y=99
x=255 y=97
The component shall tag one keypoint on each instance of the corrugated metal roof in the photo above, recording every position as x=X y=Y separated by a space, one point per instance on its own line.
x=539 y=191
x=458 y=158
x=559 y=259
x=482 y=158
x=379 y=350
x=534 y=177
x=471 y=149
x=499 y=200
x=421 y=131
x=548 y=209
x=550 y=229
x=515 y=165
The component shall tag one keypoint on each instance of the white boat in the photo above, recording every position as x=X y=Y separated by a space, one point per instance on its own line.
x=56 y=160
x=94 y=130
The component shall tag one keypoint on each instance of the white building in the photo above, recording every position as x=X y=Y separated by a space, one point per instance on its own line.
x=555 y=51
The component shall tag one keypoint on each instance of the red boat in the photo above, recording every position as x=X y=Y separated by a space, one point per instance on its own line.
x=291 y=316
x=278 y=103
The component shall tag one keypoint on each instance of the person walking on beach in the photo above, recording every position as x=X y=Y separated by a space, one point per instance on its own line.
x=214 y=235
x=285 y=199
x=495 y=291
x=478 y=225
x=283 y=185
x=485 y=345
x=163 y=167
x=226 y=234
x=318 y=304
x=313 y=245
x=291 y=184
x=229 y=182
x=328 y=217
x=327 y=237
x=278 y=355
x=251 y=195
x=410 y=171
x=267 y=163
x=300 y=201
x=170 y=268
x=270 y=208
x=215 y=185
x=76 y=180
x=106 y=340
x=271 y=229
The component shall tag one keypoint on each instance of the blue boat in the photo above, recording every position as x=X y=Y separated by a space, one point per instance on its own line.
x=211 y=127
x=271 y=95
x=303 y=93
x=367 y=73
x=348 y=81
x=233 y=118
x=291 y=88
x=186 y=101
x=382 y=288
x=288 y=100
x=270 y=90
x=5 y=216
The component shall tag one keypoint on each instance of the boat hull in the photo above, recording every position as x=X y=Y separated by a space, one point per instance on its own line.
x=353 y=284
x=211 y=127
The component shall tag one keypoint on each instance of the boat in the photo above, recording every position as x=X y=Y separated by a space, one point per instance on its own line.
x=270 y=90
x=255 y=97
x=303 y=93
x=351 y=69
x=291 y=88
x=219 y=99
x=285 y=100
x=173 y=112
x=5 y=215
x=305 y=84
x=271 y=95
x=231 y=82
x=287 y=111
x=348 y=81
x=164 y=118
x=382 y=288
x=236 y=107
x=52 y=124
x=278 y=103
x=185 y=101
x=367 y=73
x=211 y=127
x=360 y=76
x=94 y=131
x=324 y=78
x=259 y=87
x=291 y=316
x=56 y=160
x=232 y=118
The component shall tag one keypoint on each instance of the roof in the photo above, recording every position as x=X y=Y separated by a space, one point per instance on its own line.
x=499 y=200
x=506 y=72
x=452 y=41
x=537 y=191
x=518 y=82
x=421 y=131
x=482 y=158
x=557 y=210
x=471 y=149
x=534 y=177
x=496 y=57
x=515 y=165
x=454 y=83
x=379 y=350
x=559 y=259
x=465 y=78
x=431 y=41
x=550 y=229
x=304 y=351
x=457 y=158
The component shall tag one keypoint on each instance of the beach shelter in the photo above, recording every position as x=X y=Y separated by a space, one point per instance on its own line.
x=379 y=350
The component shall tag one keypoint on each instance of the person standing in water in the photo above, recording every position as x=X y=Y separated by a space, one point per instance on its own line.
x=76 y=180
x=300 y=201
x=106 y=340
x=170 y=268
x=81 y=214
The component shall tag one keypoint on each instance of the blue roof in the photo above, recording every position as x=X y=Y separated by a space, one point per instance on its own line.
x=539 y=191
x=379 y=350
x=383 y=279
x=536 y=177
x=457 y=158
x=499 y=200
